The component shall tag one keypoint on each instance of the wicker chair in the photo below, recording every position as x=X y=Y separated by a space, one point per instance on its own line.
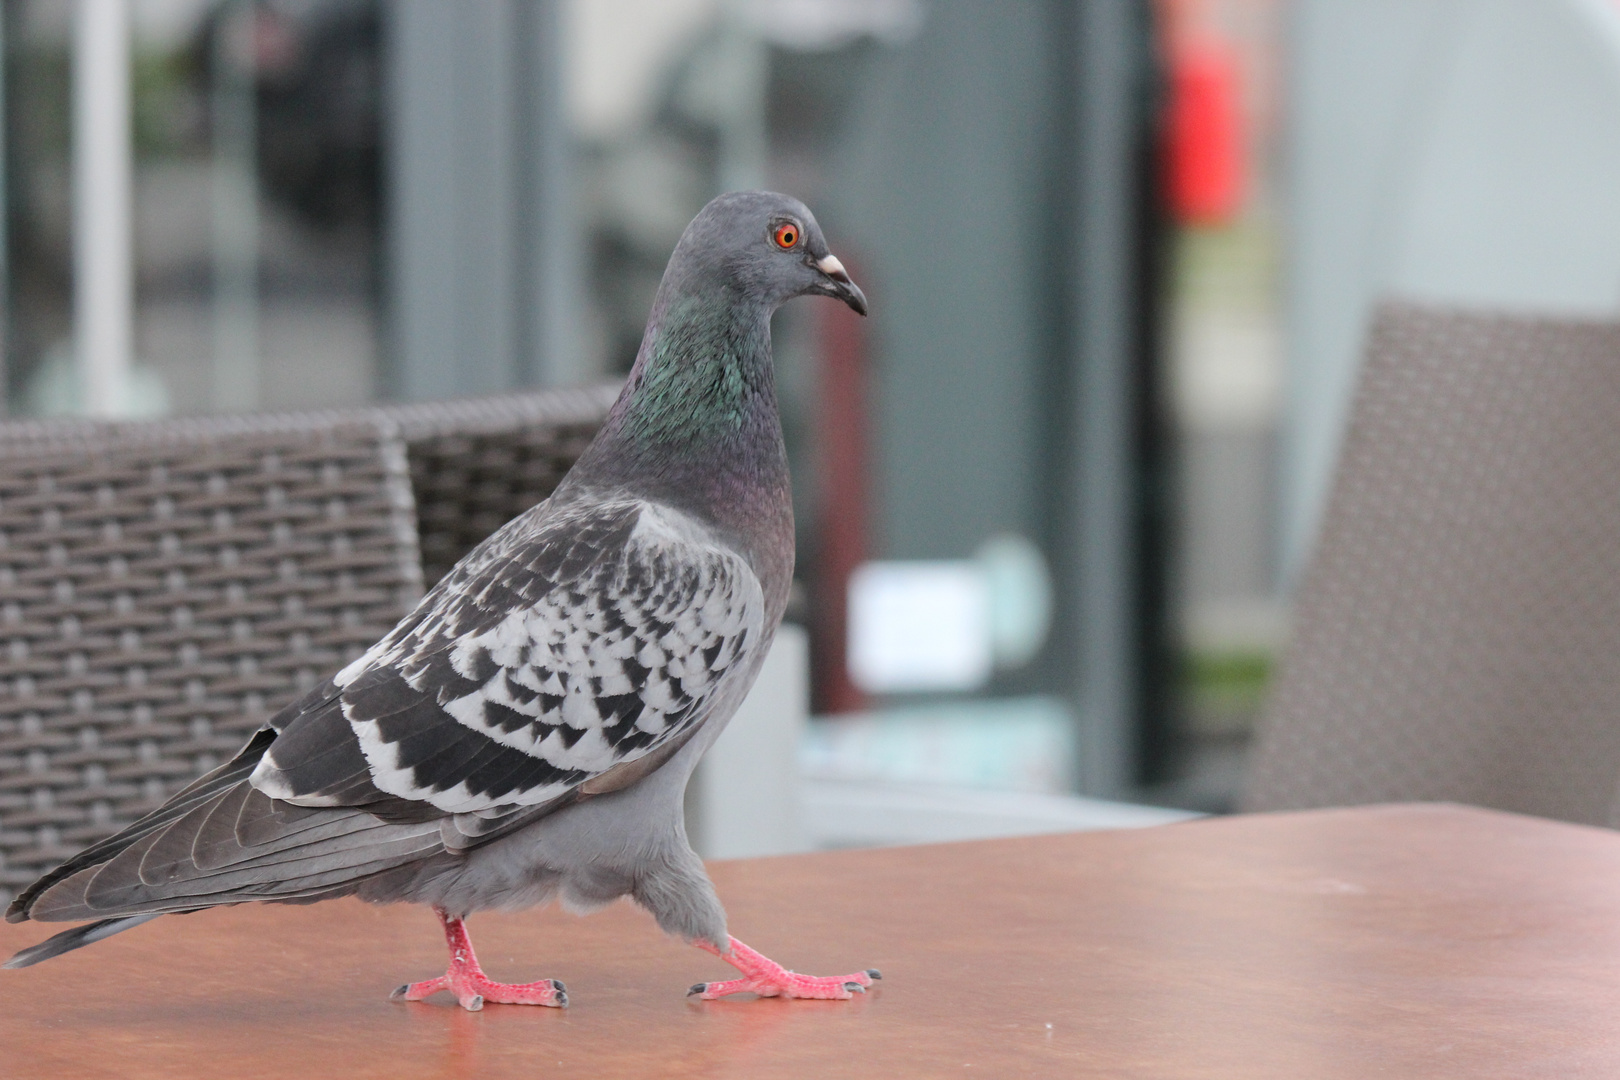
x=1457 y=634
x=165 y=586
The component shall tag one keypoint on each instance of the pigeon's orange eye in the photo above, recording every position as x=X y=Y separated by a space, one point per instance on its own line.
x=787 y=236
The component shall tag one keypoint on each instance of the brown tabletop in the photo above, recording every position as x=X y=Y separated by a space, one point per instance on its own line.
x=1410 y=941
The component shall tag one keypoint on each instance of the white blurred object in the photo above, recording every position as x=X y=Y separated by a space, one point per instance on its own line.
x=933 y=625
x=743 y=799
x=103 y=154
x=817 y=25
x=234 y=121
x=56 y=388
x=1228 y=372
x=1020 y=744
x=919 y=626
x=845 y=814
x=1020 y=598
x=619 y=52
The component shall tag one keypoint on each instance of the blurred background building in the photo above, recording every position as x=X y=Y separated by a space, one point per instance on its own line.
x=1120 y=255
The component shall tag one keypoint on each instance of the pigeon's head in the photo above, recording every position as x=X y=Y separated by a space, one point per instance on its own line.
x=764 y=246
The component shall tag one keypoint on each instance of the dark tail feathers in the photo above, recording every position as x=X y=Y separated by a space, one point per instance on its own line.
x=76 y=938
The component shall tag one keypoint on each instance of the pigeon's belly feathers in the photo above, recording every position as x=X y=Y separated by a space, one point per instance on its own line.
x=608 y=633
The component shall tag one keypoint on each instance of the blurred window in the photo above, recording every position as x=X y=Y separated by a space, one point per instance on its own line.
x=254 y=202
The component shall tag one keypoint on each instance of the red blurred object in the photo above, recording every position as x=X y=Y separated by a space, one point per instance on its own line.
x=1205 y=152
x=841 y=539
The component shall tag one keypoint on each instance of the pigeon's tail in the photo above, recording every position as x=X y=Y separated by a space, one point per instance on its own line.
x=227 y=776
x=76 y=938
x=218 y=841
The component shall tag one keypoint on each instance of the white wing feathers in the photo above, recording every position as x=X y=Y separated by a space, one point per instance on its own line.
x=591 y=642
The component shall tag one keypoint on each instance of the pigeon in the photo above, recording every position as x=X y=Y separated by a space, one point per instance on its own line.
x=526 y=733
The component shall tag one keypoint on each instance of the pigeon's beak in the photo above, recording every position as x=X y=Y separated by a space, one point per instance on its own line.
x=838 y=284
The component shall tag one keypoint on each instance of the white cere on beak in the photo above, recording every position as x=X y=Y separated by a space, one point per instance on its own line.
x=830 y=266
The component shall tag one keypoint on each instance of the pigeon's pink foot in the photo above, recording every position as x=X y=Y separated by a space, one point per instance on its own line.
x=767 y=978
x=472 y=987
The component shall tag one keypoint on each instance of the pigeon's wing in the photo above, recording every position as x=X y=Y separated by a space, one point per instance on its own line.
x=569 y=654
x=575 y=655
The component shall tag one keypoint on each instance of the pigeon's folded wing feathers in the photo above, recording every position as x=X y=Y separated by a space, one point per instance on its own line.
x=564 y=655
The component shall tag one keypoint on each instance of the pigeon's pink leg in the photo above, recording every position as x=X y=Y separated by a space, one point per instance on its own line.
x=472 y=987
x=767 y=978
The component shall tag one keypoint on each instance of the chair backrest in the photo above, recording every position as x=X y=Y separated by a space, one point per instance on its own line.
x=165 y=586
x=1457 y=633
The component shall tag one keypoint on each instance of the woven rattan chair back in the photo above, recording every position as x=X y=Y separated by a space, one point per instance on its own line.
x=165 y=586
x=1457 y=633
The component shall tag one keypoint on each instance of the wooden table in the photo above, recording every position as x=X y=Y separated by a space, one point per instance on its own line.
x=1411 y=941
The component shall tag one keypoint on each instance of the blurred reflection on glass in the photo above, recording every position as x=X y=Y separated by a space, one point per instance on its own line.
x=255 y=202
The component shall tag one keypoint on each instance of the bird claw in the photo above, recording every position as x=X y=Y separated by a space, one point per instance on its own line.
x=472 y=987
x=767 y=978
